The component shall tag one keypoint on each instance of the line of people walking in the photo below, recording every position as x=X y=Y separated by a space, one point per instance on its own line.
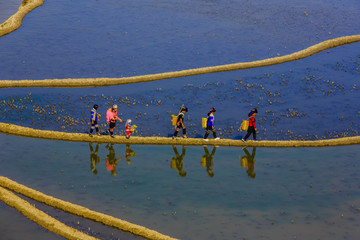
x=111 y=118
x=178 y=122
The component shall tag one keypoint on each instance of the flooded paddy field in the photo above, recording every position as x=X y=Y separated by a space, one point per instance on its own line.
x=312 y=98
x=193 y=192
x=187 y=192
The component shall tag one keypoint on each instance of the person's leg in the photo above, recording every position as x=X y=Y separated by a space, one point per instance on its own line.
x=111 y=130
x=96 y=128
x=254 y=134
x=206 y=134
x=184 y=132
x=176 y=132
x=91 y=129
x=214 y=133
x=248 y=134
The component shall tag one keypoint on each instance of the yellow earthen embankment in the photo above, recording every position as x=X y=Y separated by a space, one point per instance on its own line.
x=31 y=213
x=14 y=22
x=82 y=137
x=100 y=82
x=40 y=217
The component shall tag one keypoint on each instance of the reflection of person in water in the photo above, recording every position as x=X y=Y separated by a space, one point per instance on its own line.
x=111 y=161
x=129 y=153
x=94 y=158
x=249 y=162
x=177 y=161
x=207 y=160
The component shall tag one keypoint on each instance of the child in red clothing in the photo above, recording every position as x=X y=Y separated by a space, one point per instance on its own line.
x=252 y=128
x=128 y=128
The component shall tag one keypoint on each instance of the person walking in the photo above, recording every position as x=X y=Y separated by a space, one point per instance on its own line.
x=210 y=125
x=180 y=123
x=111 y=117
x=94 y=119
x=252 y=127
x=128 y=128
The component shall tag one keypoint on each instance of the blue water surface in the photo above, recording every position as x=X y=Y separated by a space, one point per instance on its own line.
x=305 y=193
x=198 y=192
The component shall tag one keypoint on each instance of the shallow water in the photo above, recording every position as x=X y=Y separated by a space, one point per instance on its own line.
x=312 y=98
x=198 y=193
x=8 y=8
x=307 y=193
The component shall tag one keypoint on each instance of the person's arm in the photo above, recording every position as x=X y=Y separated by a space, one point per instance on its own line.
x=117 y=118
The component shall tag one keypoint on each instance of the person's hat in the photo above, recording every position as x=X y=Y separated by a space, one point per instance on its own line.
x=96 y=106
x=114 y=106
x=184 y=109
x=212 y=109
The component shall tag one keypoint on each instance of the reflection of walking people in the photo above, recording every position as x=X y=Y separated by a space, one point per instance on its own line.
x=111 y=117
x=177 y=161
x=207 y=160
x=210 y=125
x=129 y=153
x=94 y=158
x=94 y=119
x=252 y=128
x=249 y=161
x=111 y=161
x=180 y=122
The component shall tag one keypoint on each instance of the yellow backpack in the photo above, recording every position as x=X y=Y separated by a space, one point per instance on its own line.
x=204 y=122
x=245 y=125
x=174 y=120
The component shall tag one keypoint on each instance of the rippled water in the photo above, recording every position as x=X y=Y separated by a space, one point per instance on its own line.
x=307 y=193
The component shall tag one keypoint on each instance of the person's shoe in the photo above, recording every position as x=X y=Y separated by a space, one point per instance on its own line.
x=205 y=139
x=217 y=138
x=107 y=132
x=173 y=137
x=184 y=136
x=90 y=135
x=112 y=136
x=243 y=140
x=127 y=137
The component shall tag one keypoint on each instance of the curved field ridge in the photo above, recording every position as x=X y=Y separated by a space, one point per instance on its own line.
x=14 y=22
x=40 y=217
x=73 y=209
x=82 y=137
x=100 y=82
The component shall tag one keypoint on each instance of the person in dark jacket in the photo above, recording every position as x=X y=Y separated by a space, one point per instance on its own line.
x=180 y=123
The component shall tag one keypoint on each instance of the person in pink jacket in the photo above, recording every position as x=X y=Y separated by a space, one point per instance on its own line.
x=111 y=117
